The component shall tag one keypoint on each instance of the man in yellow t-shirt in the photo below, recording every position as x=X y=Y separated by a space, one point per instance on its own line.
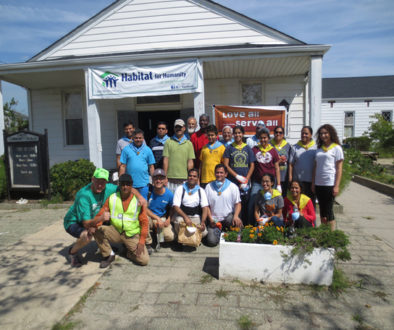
x=211 y=155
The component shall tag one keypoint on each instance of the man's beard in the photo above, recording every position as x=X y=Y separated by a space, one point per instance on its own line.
x=191 y=130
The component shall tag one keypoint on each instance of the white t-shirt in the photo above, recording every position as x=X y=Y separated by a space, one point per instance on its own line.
x=189 y=200
x=221 y=206
x=325 y=165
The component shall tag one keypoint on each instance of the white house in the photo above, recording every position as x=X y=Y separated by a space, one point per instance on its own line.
x=349 y=103
x=210 y=54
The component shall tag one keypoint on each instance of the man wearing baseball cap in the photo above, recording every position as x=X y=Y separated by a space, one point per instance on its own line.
x=160 y=207
x=88 y=202
x=254 y=140
x=178 y=156
x=128 y=225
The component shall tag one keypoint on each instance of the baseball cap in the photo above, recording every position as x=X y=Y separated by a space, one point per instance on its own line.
x=125 y=178
x=158 y=172
x=101 y=173
x=260 y=124
x=179 y=122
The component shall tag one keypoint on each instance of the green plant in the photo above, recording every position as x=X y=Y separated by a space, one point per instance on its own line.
x=68 y=177
x=206 y=279
x=13 y=120
x=303 y=242
x=221 y=293
x=381 y=132
x=56 y=199
x=339 y=282
x=357 y=164
x=245 y=322
x=362 y=143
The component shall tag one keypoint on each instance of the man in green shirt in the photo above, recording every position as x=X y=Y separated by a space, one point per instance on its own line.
x=178 y=155
x=87 y=204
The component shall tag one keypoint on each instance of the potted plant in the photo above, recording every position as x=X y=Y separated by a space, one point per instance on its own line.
x=276 y=254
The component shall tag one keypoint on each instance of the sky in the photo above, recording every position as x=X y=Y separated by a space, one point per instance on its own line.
x=360 y=32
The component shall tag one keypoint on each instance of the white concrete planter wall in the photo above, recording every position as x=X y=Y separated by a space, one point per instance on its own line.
x=264 y=262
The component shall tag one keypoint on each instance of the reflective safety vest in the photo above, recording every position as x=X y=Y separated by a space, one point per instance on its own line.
x=126 y=222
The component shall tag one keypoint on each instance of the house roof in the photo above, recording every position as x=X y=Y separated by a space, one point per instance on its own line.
x=133 y=26
x=358 y=87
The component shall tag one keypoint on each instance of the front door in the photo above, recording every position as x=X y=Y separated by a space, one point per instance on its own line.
x=147 y=121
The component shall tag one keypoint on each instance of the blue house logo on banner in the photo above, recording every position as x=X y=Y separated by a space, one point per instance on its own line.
x=109 y=79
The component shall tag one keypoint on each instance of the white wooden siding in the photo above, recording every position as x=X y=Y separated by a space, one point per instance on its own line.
x=47 y=114
x=336 y=115
x=153 y=25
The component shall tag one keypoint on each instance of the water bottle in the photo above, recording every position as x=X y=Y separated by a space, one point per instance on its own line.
x=296 y=214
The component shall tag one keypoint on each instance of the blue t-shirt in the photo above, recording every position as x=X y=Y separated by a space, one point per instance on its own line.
x=159 y=204
x=239 y=160
x=137 y=165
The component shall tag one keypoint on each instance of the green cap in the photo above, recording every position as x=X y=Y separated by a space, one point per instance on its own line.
x=101 y=173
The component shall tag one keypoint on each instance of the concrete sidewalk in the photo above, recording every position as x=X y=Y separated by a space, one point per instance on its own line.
x=180 y=290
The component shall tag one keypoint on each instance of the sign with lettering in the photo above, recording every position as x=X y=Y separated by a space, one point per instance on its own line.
x=26 y=160
x=121 y=81
x=248 y=117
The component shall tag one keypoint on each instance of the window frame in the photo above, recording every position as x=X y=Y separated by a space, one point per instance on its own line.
x=345 y=125
x=83 y=118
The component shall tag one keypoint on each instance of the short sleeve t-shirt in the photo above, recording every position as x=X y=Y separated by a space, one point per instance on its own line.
x=302 y=160
x=87 y=204
x=121 y=144
x=239 y=160
x=265 y=163
x=178 y=155
x=325 y=165
x=209 y=159
x=160 y=204
x=189 y=200
x=222 y=205
x=137 y=165
x=284 y=154
x=271 y=206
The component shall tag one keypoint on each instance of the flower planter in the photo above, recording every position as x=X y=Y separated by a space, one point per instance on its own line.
x=268 y=263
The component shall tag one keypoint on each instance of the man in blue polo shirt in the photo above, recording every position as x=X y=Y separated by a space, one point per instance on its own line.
x=137 y=160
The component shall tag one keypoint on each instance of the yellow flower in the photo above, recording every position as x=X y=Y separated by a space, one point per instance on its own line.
x=277 y=228
x=281 y=228
x=248 y=226
x=236 y=229
x=254 y=228
x=251 y=236
x=275 y=242
x=251 y=231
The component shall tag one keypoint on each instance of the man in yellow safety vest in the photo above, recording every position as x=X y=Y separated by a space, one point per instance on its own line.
x=128 y=225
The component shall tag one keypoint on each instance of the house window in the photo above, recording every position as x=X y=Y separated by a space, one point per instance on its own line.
x=349 y=125
x=252 y=94
x=73 y=118
x=387 y=115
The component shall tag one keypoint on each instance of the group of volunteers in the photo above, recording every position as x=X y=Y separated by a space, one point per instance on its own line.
x=193 y=179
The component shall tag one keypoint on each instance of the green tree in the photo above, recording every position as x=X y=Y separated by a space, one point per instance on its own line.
x=13 y=120
x=381 y=132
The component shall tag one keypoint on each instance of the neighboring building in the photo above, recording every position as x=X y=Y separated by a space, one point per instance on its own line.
x=349 y=103
x=81 y=88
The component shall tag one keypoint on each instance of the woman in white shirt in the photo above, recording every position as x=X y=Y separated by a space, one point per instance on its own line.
x=327 y=172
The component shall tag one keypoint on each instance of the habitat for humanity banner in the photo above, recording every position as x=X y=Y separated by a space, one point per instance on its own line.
x=144 y=80
x=248 y=117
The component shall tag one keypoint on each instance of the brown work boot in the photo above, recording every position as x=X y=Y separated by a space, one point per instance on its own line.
x=107 y=261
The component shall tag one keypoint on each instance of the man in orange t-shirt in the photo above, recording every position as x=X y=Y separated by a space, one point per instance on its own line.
x=122 y=210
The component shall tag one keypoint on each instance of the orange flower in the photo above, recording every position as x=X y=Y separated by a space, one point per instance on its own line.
x=281 y=228
x=236 y=229
x=275 y=242
x=251 y=231
x=219 y=225
x=225 y=235
x=251 y=236
x=267 y=224
x=259 y=234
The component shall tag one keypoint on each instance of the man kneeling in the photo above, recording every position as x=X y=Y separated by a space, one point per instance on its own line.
x=128 y=225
